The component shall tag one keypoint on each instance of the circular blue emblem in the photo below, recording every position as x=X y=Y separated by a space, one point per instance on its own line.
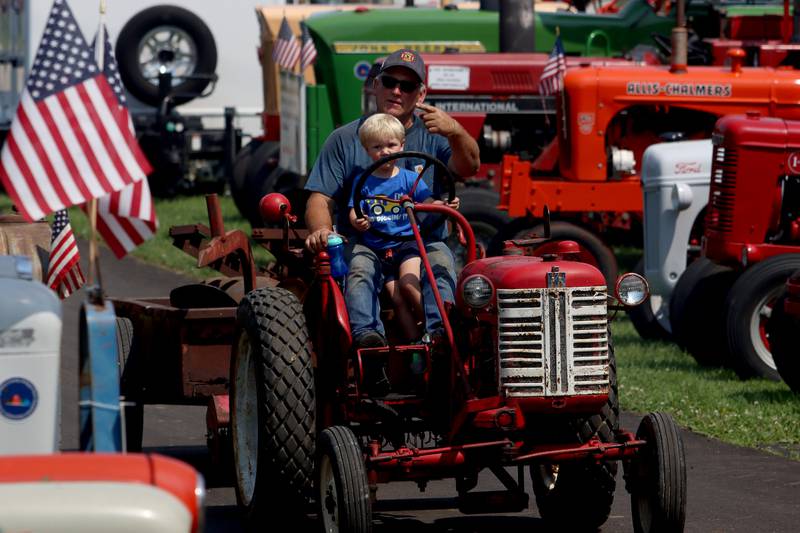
x=18 y=398
x=361 y=70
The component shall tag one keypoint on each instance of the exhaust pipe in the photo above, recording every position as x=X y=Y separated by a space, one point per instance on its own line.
x=517 y=26
x=680 y=39
x=796 y=22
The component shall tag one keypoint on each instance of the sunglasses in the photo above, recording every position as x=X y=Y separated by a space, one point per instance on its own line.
x=405 y=85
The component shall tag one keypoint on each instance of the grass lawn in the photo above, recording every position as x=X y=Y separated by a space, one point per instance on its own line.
x=173 y=212
x=653 y=376
x=658 y=376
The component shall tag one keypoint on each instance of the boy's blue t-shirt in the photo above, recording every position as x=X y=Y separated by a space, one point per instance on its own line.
x=387 y=216
x=343 y=159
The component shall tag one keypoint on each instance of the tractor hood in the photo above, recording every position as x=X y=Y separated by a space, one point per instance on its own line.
x=526 y=272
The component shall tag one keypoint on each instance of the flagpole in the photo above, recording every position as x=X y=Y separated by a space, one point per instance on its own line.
x=94 y=266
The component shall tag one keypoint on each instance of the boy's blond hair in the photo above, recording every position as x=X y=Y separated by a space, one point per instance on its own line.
x=381 y=126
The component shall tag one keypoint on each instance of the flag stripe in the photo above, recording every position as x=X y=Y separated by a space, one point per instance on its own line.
x=83 y=166
x=93 y=142
x=37 y=201
x=107 y=148
x=54 y=151
x=38 y=163
x=112 y=234
x=17 y=186
x=84 y=148
x=117 y=125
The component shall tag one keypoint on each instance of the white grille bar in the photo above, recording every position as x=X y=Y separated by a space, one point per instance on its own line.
x=552 y=342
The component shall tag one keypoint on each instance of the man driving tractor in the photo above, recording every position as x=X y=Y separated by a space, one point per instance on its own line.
x=399 y=91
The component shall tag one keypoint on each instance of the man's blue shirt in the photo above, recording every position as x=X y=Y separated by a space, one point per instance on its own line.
x=343 y=159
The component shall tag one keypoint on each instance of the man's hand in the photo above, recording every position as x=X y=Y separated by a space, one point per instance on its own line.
x=455 y=204
x=361 y=224
x=437 y=121
x=317 y=241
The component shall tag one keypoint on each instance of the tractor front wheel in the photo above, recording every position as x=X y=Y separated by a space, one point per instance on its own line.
x=272 y=407
x=343 y=489
x=559 y=486
x=657 y=477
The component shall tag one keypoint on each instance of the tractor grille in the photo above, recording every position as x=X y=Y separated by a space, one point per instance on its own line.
x=513 y=81
x=552 y=342
x=721 y=198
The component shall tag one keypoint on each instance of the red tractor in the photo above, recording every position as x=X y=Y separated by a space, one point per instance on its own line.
x=782 y=328
x=751 y=245
x=528 y=381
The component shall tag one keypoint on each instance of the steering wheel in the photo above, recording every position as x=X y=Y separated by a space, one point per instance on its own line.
x=440 y=173
x=696 y=51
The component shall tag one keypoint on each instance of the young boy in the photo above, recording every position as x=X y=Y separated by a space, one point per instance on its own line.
x=381 y=135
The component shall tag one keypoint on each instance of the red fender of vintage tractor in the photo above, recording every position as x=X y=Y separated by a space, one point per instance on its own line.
x=227 y=245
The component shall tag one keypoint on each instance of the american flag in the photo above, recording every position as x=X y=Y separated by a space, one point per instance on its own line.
x=286 y=50
x=64 y=270
x=125 y=218
x=69 y=141
x=308 y=53
x=552 y=79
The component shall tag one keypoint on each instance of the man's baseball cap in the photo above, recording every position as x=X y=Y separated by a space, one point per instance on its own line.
x=408 y=58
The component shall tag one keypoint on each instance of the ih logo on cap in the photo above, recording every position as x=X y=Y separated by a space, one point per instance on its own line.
x=408 y=57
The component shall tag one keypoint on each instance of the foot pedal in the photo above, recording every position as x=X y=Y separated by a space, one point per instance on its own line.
x=493 y=501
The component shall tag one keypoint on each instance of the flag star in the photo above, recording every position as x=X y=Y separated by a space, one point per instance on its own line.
x=64 y=79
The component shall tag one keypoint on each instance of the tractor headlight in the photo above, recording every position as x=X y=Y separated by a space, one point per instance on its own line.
x=632 y=289
x=477 y=291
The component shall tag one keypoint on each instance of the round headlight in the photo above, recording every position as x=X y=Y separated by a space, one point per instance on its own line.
x=632 y=289
x=477 y=291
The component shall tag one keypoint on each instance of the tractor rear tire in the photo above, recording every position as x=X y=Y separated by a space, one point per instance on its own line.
x=593 y=250
x=749 y=303
x=697 y=312
x=657 y=477
x=130 y=386
x=782 y=329
x=272 y=407
x=559 y=487
x=254 y=163
x=645 y=317
x=343 y=490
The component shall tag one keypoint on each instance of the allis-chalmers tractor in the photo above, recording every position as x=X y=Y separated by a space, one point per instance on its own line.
x=606 y=117
x=751 y=245
x=529 y=382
